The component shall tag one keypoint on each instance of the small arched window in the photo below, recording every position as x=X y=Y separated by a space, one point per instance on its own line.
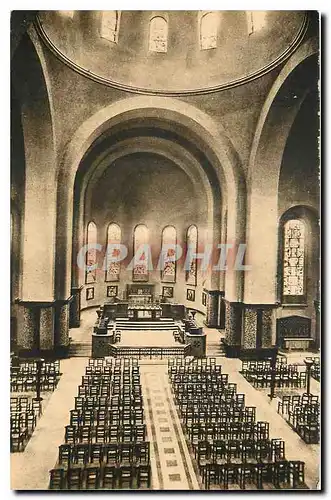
x=113 y=252
x=192 y=248
x=69 y=14
x=208 y=30
x=110 y=24
x=294 y=259
x=158 y=34
x=168 y=264
x=141 y=253
x=256 y=20
x=91 y=254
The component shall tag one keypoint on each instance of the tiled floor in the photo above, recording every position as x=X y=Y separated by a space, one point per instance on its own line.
x=171 y=463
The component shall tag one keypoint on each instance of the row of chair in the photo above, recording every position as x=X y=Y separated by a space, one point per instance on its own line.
x=105 y=430
x=287 y=474
x=227 y=448
x=105 y=433
x=110 y=453
x=303 y=415
x=101 y=477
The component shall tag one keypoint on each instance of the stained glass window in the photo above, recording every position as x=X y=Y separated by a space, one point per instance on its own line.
x=91 y=254
x=113 y=239
x=294 y=257
x=208 y=30
x=256 y=20
x=192 y=247
x=168 y=266
x=158 y=34
x=110 y=23
x=140 y=268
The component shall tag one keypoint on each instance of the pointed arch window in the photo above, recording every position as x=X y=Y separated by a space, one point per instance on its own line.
x=91 y=254
x=141 y=254
x=113 y=251
x=110 y=24
x=192 y=247
x=208 y=30
x=158 y=34
x=256 y=20
x=168 y=266
x=294 y=259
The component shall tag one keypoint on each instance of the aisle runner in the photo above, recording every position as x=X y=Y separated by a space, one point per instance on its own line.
x=170 y=460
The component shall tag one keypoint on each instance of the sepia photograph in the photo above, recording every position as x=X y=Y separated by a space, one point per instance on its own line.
x=152 y=148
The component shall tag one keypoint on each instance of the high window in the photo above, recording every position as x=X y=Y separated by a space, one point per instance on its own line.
x=91 y=254
x=256 y=20
x=168 y=266
x=158 y=34
x=141 y=254
x=208 y=30
x=113 y=240
x=192 y=248
x=294 y=258
x=110 y=23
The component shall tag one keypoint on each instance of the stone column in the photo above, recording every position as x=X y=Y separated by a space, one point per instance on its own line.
x=233 y=324
x=28 y=329
x=213 y=308
x=249 y=328
x=75 y=305
x=62 y=327
x=257 y=326
x=46 y=331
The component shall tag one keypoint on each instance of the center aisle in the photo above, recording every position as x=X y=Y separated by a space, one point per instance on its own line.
x=170 y=459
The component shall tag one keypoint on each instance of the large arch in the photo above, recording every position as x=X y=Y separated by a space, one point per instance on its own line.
x=40 y=178
x=277 y=116
x=197 y=125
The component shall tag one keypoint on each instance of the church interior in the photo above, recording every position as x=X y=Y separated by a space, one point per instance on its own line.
x=165 y=255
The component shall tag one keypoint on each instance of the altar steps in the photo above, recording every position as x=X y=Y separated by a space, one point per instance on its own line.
x=80 y=349
x=162 y=324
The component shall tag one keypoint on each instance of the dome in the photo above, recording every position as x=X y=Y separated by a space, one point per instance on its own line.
x=172 y=52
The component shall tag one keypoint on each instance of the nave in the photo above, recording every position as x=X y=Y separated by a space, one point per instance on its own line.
x=174 y=461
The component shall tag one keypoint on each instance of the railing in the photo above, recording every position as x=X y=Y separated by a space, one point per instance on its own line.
x=149 y=352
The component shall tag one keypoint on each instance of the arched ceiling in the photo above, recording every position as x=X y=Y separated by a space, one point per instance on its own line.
x=128 y=63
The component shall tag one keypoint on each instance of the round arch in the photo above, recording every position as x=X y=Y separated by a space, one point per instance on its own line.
x=205 y=132
x=277 y=116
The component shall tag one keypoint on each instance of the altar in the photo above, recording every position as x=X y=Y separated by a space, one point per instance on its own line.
x=143 y=311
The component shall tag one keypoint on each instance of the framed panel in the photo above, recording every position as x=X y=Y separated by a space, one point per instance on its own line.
x=112 y=291
x=89 y=293
x=168 y=292
x=204 y=298
x=190 y=294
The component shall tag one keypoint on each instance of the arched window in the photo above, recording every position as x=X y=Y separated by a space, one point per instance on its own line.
x=158 y=34
x=141 y=254
x=192 y=247
x=208 y=30
x=110 y=24
x=168 y=266
x=91 y=254
x=69 y=14
x=256 y=20
x=294 y=259
x=113 y=240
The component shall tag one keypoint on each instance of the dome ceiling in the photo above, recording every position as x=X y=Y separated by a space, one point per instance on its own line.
x=172 y=52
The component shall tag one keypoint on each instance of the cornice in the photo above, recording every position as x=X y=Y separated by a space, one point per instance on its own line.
x=172 y=93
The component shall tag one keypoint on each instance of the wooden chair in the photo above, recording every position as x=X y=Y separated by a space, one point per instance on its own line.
x=57 y=479
x=109 y=477
x=144 y=475
x=75 y=478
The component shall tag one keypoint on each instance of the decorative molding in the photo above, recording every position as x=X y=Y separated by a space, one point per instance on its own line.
x=172 y=93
